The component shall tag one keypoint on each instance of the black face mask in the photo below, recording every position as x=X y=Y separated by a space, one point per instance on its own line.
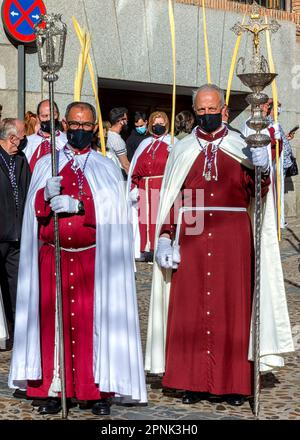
x=158 y=129
x=209 y=122
x=80 y=139
x=45 y=125
x=23 y=143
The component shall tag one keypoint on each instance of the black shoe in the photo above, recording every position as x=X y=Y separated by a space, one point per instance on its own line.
x=191 y=397
x=38 y=401
x=20 y=394
x=86 y=404
x=101 y=408
x=51 y=406
x=148 y=257
x=235 y=399
x=214 y=398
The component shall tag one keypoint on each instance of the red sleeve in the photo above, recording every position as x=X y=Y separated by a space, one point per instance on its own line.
x=273 y=143
x=135 y=177
x=168 y=225
x=89 y=211
x=42 y=208
x=249 y=182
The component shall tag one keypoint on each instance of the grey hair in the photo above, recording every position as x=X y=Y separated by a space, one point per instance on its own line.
x=83 y=106
x=211 y=87
x=8 y=127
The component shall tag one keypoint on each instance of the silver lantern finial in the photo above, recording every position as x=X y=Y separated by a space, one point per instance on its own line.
x=51 y=35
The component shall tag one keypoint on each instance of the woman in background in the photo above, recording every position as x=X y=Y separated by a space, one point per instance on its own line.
x=144 y=183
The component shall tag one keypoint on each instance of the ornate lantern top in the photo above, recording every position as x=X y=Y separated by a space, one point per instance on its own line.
x=256 y=26
x=51 y=35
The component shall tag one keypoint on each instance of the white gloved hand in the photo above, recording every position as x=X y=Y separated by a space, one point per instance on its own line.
x=167 y=256
x=134 y=195
x=176 y=255
x=164 y=253
x=52 y=187
x=260 y=158
x=277 y=133
x=64 y=203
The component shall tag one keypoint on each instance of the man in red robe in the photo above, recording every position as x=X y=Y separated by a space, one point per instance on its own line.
x=97 y=284
x=205 y=350
x=38 y=144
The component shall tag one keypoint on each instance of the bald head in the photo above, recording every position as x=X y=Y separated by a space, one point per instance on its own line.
x=208 y=89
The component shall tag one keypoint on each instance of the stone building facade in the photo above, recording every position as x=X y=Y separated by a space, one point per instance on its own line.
x=131 y=52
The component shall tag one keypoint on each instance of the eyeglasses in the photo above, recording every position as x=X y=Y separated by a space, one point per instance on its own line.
x=87 y=126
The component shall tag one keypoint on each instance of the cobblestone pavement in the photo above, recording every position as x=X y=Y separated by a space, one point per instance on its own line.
x=280 y=395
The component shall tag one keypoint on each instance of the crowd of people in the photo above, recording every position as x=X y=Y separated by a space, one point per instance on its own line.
x=177 y=202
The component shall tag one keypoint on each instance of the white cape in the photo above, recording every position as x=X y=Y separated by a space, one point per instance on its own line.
x=3 y=325
x=35 y=140
x=134 y=207
x=275 y=330
x=117 y=353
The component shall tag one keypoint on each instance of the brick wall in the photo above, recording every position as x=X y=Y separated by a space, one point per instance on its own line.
x=296 y=6
x=296 y=9
x=242 y=8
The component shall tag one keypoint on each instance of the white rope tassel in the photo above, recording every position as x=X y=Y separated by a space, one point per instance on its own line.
x=55 y=386
x=216 y=167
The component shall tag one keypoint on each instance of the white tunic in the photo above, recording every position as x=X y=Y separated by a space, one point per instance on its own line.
x=35 y=140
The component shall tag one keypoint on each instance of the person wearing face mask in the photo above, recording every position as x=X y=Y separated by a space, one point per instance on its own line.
x=116 y=147
x=138 y=134
x=101 y=330
x=14 y=182
x=39 y=143
x=203 y=274
x=144 y=182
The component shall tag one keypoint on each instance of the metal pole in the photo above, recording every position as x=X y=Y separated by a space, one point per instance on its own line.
x=21 y=81
x=57 y=263
x=257 y=290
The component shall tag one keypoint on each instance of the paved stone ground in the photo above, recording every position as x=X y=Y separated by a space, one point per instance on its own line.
x=280 y=395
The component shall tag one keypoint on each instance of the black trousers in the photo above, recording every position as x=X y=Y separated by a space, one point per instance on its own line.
x=9 y=265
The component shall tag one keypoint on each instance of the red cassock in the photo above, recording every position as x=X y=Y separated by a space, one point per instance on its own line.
x=211 y=292
x=147 y=176
x=43 y=149
x=77 y=268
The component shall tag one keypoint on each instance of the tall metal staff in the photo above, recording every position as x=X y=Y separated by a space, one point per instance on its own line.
x=259 y=78
x=50 y=39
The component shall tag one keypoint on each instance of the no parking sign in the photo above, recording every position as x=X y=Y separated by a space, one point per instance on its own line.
x=19 y=18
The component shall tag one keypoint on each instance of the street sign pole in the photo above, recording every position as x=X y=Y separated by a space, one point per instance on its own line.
x=21 y=81
x=19 y=18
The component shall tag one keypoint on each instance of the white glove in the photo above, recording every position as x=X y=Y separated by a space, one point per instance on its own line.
x=277 y=133
x=64 y=203
x=260 y=158
x=167 y=256
x=134 y=195
x=176 y=255
x=52 y=187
